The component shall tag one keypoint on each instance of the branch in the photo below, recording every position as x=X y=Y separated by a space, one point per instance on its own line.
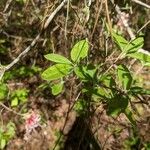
x=131 y=34
x=141 y=3
x=33 y=43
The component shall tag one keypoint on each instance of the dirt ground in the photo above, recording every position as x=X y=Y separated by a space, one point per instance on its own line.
x=60 y=126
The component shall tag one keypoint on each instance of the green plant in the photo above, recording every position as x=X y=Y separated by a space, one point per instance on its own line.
x=116 y=89
x=19 y=96
x=21 y=72
x=3 y=91
x=6 y=134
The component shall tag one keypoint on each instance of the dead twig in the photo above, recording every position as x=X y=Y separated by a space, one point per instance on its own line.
x=33 y=43
x=141 y=3
x=7 y=5
x=10 y=110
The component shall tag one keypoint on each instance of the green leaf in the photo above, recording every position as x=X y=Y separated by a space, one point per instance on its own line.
x=102 y=92
x=14 y=102
x=128 y=47
x=144 y=58
x=120 y=40
x=124 y=77
x=79 y=72
x=108 y=81
x=139 y=90
x=79 y=50
x=131 y=48
x=80 y=106
x=2 y=143
x=57 y=58
x=134 y=45
x=56 y=71
x=19 y=96
x=117 y=105
x=3 y=91
x=85 y=72
x=130 y=116
x=57 y=88
x=10 y=130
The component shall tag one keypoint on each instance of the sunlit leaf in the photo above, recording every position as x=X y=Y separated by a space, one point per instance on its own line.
x=120 y=40
x=80 y=106
x=57 y=88
x=124 y=77
x=2 y=143
x=57 y=58
x=79 y=50
x=134 y=45
x=14 y=102
x=56 y=71
x=85 y=72
x=128 y=47
x=144 y=58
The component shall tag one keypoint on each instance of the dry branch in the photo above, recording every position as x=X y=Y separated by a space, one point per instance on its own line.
x=16 y=60
x=141 y=3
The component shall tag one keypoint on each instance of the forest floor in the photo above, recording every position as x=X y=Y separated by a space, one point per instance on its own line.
x=42 y=121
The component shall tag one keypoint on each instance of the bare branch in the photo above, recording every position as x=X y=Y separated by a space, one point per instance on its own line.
x=141 y=3
x=33 y=43
x=50 y=18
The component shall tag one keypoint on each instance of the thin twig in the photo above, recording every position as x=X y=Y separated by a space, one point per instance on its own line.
x=10 y=110
x=66 y=23
x=7 y=5
x=141 y=3
x=50 y=18
x=97 y=17
x=131 y=34
x=66 y=119
x=108 y=17
x=23 y=53
x=33 y=43
x=143 y=26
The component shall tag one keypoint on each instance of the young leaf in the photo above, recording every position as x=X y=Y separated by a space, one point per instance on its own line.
x=79 y=50
x=57 y=58
x=2 y=143
x=57 y=88
x=85 y=72
x=128 y=47
x=134 y=45
x=120 y=40
x=56 y=71
x=79 y=72
x=124 y=76
x=144 y=58
x=14 y=102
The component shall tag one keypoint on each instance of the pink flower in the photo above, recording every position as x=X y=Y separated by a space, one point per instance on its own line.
x=32 y=121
